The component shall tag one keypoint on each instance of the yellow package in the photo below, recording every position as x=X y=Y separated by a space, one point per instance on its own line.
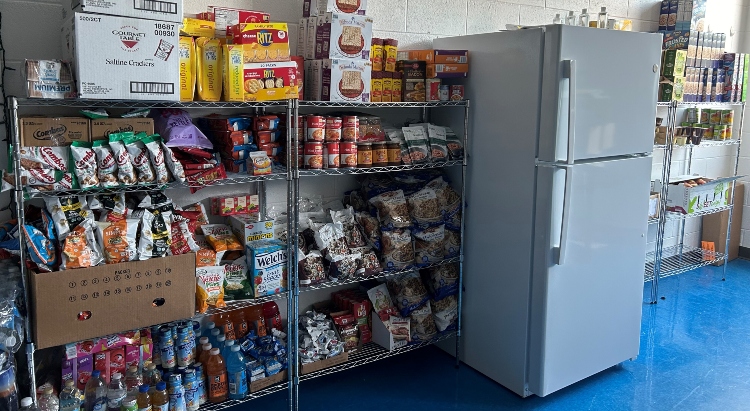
x=187 y=68
x=264 y=42
x=208 y=73
x=197 y=27
x=233 y=73
x=209 y=288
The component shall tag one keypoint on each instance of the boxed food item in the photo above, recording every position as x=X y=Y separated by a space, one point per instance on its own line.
x=692 y=193
x=314 y=76
x=102 y=128
x=263 y=42
x=187 y=68
x=163 y=10
x=49 y=79
x=226 y=206
x=414 y=74
x=673 y=62
x=233 y=72
x=53 y=131
x=226 y=17
x=266 y=262
x=676 y=40
x=346 y=80
x=123 y=58
x=319 y=7
x=447 y=70
x=311 y=39
x=301 y=37
x=197 y=27
x=343 y=36
x=439 y=56
x=249 y=228
x=270 y=81
x=73 y=304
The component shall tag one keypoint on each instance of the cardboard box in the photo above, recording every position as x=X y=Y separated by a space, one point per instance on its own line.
x=123 y=58
x=715 y=226
x=46 y=132
x=188 y=68
x=264 y=383
x=163 y=10
x=346 y=80
x=266 y=264
x=320 y=7
x=438 y=56
x=314 y=76
x=234 y=70
x=663 y=15
x=102 y=128
x=447 y=70
x=343 y=36
x=263 y=42
x=197 y=28
x=698 y=19
x=117 y=296
x=226 y=17
x=312 y=36
x=673 y=62
x=270 y=81
x=383 y=337
x=323 y=364
x=687 y=200
x=235 y=205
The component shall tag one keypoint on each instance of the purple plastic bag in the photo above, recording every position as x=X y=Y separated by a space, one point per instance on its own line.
x=177 y=129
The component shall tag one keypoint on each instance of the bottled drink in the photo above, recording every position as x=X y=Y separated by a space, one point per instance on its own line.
x=95 y=393
x=237 y=374
x=255 y=320
x=203 y=341
x=209 y=327
x=143 y=399
x=215 y=333
x=184 y=346
x=48 y=401
x=27 y=404
x=8 y=390
x=133 y=380
x=272 y=317
x=159 y=399
x=166 y=344
x=227 y=349
x=155 y=377
x=156 y=352
x=146 y=374
x=557 y=19
x=129 y=404
x=220 y=342
x=115 y=392
x=190 y=384
x=226 y=326
x=583 y=19
x=205 y=353
x=602 y=18
x=201 y=377
x=241 y=327
x=216 y=372
x=70 y=397
x=194 y=335
x=176 y=393
x=570 y=19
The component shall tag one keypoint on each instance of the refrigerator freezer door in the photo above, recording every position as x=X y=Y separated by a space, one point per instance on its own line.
x=610 y=110
x=586 y=310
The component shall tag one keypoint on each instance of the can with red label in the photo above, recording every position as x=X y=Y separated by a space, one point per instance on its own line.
x=348 y=151
x=333 y=129
x=334 y=151
x=316 y=128
x=350 y=129
x=313 y=155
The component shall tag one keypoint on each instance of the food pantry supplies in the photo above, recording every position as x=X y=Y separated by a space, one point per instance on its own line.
x=263 y=42
x=123 y=58
x=58 y=131
x=343 y=36
x=164 y=10
x=266 y=262
x=49 y=79
x=320 y=7
x=346 y=80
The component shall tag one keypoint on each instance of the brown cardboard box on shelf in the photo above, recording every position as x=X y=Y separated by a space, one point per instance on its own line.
x=256 y=386
x=113 y=298
x=715 y=226
x=323 y=364
x=102 y=128
x=44 y=131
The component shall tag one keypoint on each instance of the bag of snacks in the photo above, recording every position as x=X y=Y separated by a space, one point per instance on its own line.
x=429 y=245
x=50 y=158
x=445 y=312
x=119 y=240
x=352 y=233
x=438 y=144
x=174 y=165
x=424 y=208
x=41 y=249
x=311 y=268
x=452 y=243
x=155 y=235
x=106 y=164
x=398 y=249
x=450 y=200
x=177 y=128
x=370 y=227
x=409 y=292
x=369 y=264
x=67 y=213
x=344 y=267
x=80 y=249
x=209 y=289
x=201 y=216
x=442 y=281
x=236 y=284
x=125 y=170
x=182 y=239
x=454 y=144
x=153 y=145
x=418 y=144
x=381 y=300
x=221 y=238
x=85 y=164
x=206 y=256
x=138 y=152
x=260 y=162
x=392 y=210
x=422 y=324
x=331 y=240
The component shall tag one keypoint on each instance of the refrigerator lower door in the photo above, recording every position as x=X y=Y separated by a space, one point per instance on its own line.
x=587 y=285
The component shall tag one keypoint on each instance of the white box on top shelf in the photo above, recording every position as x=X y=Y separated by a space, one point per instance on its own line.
x=343 y=36
x=123 y=58
x=163 y=10
x=318 y=7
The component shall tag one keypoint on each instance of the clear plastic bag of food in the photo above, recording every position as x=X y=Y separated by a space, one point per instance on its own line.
x=429 y=245
x=409 y=292
x=398 y=249
x=352 y=232
x=331 y=240
x=370 y=228
x=392 y=210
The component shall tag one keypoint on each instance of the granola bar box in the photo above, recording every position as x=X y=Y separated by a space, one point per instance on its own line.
x=267 y=268
x=346 y=80
x=343 y=36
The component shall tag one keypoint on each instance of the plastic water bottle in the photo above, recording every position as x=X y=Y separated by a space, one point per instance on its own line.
x=95 y=393
x=115 y=392
x=220 y=342
x=133 y=380
x=27 y=404
x=70 y=397
x=237 y=374
x=8 y=390
x=48 y=401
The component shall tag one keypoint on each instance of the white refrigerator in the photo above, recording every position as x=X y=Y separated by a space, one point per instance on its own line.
x=562 y=128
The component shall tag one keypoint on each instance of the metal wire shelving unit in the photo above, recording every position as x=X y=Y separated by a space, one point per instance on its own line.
x=680 y=258
x=370 y=352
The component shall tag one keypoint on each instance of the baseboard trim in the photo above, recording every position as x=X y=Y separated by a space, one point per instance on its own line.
x=744 y=253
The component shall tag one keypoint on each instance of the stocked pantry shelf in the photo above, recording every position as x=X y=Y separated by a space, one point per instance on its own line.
x=345 y=171
x=679 y=259
x=384 y=274
x=250 y=396
x=372 y=352
x=703 y=144
x=84 y=103
x=462 y=103
x=671 y=216
x=241 y=304
x=699 y=104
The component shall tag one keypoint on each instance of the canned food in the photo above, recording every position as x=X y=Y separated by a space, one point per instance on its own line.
x=334 y=153
x=394 y=153
x=333 y=129
x=350 y=130
x=727 y=117
x=364 y=155
x=379 y=154
x=348 y=151
x=313 y=155
x=445 y=92
x=316 y=126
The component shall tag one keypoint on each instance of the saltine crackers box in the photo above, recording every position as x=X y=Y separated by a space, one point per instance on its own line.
x=123 y=58
x=163 y=10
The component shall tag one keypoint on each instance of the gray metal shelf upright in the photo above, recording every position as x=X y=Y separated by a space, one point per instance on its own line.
x=673 y=260
x=370 y=352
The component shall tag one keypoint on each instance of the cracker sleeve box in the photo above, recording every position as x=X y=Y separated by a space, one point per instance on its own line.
x=270 y=81
x=75 y=305
x=267 y=268
x=163 y=10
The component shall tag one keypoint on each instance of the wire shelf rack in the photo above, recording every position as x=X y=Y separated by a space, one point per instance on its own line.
x=384 y=274
x=372 y=352
x=674 y=216
x=241 y=304
x=673 y=262
x=701 y=104
x=703 y=144
x=461 y=103
x=345 y=171
x=250 y=396
x=84 y=103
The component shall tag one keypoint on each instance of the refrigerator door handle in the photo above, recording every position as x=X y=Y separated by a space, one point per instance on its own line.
x=569 y=71
x=562 y=248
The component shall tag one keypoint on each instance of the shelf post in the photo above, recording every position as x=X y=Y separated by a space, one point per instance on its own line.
x=464 y=170
x=731 y=203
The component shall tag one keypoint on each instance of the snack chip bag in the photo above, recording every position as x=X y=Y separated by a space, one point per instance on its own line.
x=209 y=289
x=182 y=239
x=67 y=213
x=155 y=235
x=205 y=256
x=155 y=153
x=221 y=238
x=125 y=170
x=106 y=164
x=80 y=249
x=41 y=249
x=260 y=162
x=176 y=127
x=139 y=154
x=85 y=164
x=209 y=70
x=175 y=167
x=118 y=240
x=51 y=158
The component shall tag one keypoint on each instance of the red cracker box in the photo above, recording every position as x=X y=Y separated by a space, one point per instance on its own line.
x=132 y=356
x=226 y=17
x=270 y=81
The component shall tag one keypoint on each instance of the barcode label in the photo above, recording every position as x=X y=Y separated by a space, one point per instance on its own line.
x=143 y=87
x=156 y=5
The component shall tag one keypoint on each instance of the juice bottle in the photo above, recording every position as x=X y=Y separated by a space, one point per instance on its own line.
x=256 y=321
x=129 y=404
x=209 y=327
x=216 y=371
x=155 y=378
x=143 y=399
x=190 y=384
x=159 y=399
x=203 y=341
x=215 y=333
x=226 y=325
x=240 y=325
x=272 y=317
x=200 y=375
x=237 y=374
x=227 y=349
x=205 y=353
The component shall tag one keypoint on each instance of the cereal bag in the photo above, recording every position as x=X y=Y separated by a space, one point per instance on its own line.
x=209 y=289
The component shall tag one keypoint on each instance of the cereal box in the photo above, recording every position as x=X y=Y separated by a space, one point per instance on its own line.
x=343 y=36
x=263 y=42
x=270 y=81
x=346 y=80
x=266 y=262
x=226 y=17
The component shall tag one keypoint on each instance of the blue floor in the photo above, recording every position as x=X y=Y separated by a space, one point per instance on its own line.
x=695 y=355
